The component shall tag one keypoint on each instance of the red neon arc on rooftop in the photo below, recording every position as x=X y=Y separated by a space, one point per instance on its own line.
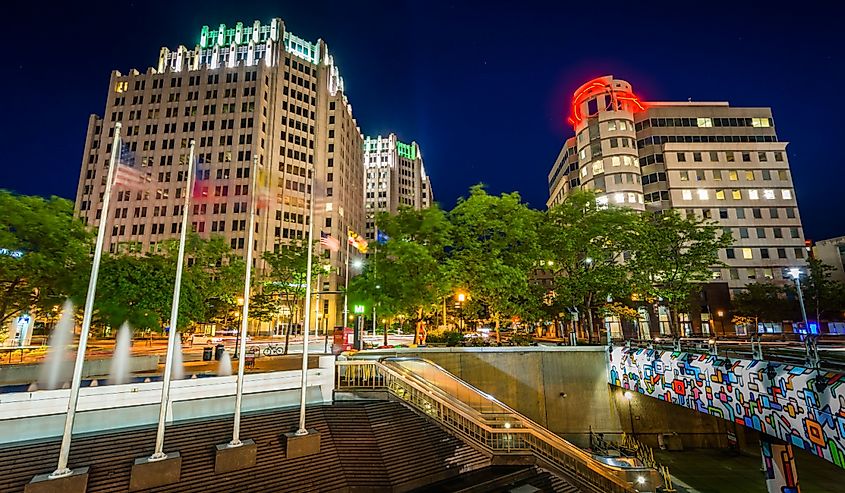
x=601 y=85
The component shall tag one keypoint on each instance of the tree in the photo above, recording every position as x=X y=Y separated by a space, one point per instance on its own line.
x=764 y=302
x=673 y=255
x=44 y=253
x=824 y=297
x=406 y=274
x=216 y=271
x=586 y=244
x=285 y=283
x=495 y=250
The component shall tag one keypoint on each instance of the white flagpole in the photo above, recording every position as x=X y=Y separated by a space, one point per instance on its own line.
x=302 y=430
x=346 y=286
x=174 y=314
x=236 y=431
x=64 y=452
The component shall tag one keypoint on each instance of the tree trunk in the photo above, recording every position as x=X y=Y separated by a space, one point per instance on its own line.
x=498 y=335
x=287 y=332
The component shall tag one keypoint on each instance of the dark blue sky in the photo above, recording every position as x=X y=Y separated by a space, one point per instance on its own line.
x=482 y=86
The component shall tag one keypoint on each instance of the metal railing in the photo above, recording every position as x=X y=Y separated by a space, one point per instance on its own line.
x=503 y=432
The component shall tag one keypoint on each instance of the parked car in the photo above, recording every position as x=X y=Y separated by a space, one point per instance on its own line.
x=207 y=339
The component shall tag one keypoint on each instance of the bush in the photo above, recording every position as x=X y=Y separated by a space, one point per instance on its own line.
x=443 y=336
x=522 y=339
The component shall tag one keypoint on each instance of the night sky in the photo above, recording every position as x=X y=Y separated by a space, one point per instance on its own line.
x=481 y=86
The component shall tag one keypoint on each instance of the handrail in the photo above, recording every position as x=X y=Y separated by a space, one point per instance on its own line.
x=529 y=437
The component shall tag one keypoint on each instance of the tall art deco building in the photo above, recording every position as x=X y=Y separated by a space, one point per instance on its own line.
x=243 y=91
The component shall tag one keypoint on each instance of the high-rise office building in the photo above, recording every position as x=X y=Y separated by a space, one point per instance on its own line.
x=706 y=159
x=395 y=178
x=243 y=92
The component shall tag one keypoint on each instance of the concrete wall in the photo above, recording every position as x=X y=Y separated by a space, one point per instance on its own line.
x=38 y=415
x=28 y=373
x=565 y=389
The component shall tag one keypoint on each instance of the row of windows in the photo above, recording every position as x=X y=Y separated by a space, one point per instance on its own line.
x=735 y=274
x=762 y=253
x=706 y=122
x=734 y=174
x=737 y=194
x=777 y=233
x=693 y=139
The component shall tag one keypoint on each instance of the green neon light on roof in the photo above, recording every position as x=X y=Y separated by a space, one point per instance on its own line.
x=405 y=150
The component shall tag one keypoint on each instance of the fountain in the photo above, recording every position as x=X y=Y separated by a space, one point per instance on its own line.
x=224 y=368
x=120 y=358
x=178 y=372
x=57 y=364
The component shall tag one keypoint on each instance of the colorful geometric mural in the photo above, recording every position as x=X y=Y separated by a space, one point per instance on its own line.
x=775 y=398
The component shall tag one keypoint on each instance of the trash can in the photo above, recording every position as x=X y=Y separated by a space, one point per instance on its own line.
x=218 y=351
x=207 y=352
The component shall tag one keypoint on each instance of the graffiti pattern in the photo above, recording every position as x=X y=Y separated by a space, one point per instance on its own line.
x=774 y=398
x=779 y=466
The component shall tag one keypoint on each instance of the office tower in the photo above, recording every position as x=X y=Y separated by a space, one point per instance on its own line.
x=395 y=177
x=244 y=92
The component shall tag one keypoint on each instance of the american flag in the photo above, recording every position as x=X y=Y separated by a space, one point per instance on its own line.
x=127 y=175
x=329 y=241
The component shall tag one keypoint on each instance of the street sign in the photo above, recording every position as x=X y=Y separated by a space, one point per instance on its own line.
x=358 y=309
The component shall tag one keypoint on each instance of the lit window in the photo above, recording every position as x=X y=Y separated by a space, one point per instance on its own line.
x=684 y=175
x=632 y=198
x=702 y=194
x=583 y=153
x=753 y=195
x=584 y=171
x=640 y=197
x=598 y=167
x=769 y=194
x=736 y=194
x=747 y=253
x=732 y=175
x=611 y=125
x=749 y=175
x=627 y=160
x=615 y=161
x=768 y=274
x=720 y=195
x=623 y=125
x=619 y=198
x=686 y=194
x=786 y=194
x=704 y=122
x=601 y=201
x=760 y=122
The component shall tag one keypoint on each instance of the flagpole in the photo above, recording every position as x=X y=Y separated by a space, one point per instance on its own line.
x=236 y=431
x=174 y=314
x=346 y=286
x=64 y=452
x=302 y=430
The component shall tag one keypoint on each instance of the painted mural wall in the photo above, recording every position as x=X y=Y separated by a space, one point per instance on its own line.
x=787 y=406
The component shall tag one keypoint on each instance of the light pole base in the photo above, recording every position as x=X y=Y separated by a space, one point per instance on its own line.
x=148 y=473
x=302 y=445
x=228 y=458
x=75 y=482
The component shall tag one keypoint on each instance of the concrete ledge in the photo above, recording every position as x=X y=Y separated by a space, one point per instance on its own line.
x=76 y=482
x=228 y=459
x=149 y=474
x=302 y=445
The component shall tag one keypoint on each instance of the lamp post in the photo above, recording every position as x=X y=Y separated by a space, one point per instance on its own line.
x=240 y=320
x=810 y=339
x=461 y=298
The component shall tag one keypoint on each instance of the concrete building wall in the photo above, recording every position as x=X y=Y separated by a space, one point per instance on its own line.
x=832 y=253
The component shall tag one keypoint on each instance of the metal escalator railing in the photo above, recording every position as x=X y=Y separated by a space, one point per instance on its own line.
x=503 y=432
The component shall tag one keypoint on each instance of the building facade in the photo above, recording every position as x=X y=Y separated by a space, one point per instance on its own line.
x=832 y=253
x=249 y=95
x=709 y=160
x=395 y=177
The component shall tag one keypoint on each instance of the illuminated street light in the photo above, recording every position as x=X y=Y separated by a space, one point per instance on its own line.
x=810 y=341
x=588 y=260
x=462 y=297
x=240 y=301
x=358 y=263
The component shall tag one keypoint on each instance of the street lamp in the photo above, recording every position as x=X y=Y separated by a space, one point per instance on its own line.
x=810 y=340
x=461 y=297
x=240 y=321
x=629 y=396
